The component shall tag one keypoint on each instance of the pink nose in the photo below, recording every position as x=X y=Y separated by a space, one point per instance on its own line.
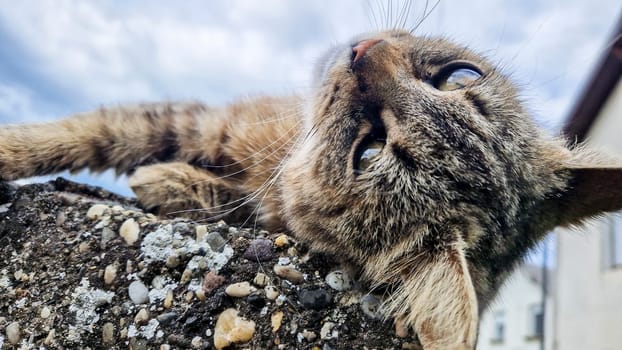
x=359 y=50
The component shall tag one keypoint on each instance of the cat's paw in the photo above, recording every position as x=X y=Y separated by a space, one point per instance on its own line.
x=179 y=189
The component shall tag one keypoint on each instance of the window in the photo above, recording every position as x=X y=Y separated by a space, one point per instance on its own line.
x=536 y=320
x=614 y=244
x=498 y=321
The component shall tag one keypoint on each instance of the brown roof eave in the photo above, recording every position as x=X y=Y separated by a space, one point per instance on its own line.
x=597 y=91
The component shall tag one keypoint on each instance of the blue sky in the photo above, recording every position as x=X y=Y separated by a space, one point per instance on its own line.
x=65 y=56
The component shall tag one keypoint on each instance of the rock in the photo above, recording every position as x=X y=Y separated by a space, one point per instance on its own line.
x=271 y=292
x=260 y=249
x=142 y=317
x=282 y=241
x=107 y=235
x=167 y=318
x=139 y=294
x=196 y=343
x=309 y=335
x=107 y=333
x=289 y=273
x=370 y=306
x=45 y=312
x=215 y=241
x=168 y=299
x=211 y=281
x=256 y=300
x=339 y=281
x=110 y=273
x=326 y=331
x=231 y=329
x=261 y=279
x=96 y=211
x=239 y=290
x=13 y=333
x=276 y=319
x=200 y=232
x=315 y=299
x=130 y=231
x=401 y=328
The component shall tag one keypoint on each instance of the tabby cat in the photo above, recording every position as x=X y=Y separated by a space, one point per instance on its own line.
x=413 y=159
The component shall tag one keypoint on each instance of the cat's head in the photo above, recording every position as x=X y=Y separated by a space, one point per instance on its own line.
x=419 y=164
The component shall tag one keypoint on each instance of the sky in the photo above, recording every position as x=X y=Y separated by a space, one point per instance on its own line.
x=65 y=56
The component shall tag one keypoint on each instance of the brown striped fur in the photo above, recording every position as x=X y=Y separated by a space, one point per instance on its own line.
x=465 y=185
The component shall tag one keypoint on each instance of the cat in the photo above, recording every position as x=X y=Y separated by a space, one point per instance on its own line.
x=413 y=159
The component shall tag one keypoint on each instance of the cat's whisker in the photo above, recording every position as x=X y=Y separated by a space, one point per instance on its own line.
x=425 y=15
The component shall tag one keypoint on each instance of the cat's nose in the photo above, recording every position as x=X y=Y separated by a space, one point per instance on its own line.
x=359 y=49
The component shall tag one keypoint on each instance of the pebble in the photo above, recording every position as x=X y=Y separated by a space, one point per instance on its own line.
x=282 y=241
x=107 y=235
x=13 y=333
x=197 y=342
x=215 y=241
x=108 y=333
x=231 y=329
x=49 y=339
x=256 y=300
x=172 y=261
x=110 y=273
x=271 y=292
x=260 y=249
x=211 y=281
x=167 y=318
x=240 y=289
x=289 y=273
x=96 y=211
x=339 y=281
x=45 y=312
x=201 y=231
x=276 y=320
x=168 y=299
x=326 y=331
x=309 y=335
x=141 y=317
x=370 y=306
x=83 y=247
x=315 y=298
x=129 y=231
x=138 y=292
x=260 y=280
x=280 y=300
x=165 y=347
x=410 y=346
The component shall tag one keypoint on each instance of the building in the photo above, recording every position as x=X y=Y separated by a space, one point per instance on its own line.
x=588 y=297
x=515 y=320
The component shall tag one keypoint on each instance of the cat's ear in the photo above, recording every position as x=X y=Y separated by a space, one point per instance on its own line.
x=437 y=298
x=591 y=190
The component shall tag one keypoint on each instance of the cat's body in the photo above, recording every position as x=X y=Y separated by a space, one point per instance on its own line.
x=413 y=160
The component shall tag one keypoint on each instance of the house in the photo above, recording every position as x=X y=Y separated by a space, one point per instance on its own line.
x=588 y=294
x=515 y=320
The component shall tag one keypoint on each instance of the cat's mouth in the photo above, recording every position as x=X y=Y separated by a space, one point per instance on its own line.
x=370 y=143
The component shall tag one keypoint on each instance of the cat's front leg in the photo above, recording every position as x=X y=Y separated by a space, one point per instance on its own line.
x=181 y=189
x=435 y=295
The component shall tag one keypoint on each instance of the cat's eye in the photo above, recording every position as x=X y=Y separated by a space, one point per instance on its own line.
x=456 y=76
x=369 y=154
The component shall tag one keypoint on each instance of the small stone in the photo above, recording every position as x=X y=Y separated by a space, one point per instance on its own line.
x=281 y=241
x=289 y=273
x=108 y=333
x=96 y=211
x=271 y=292
x=211 y=281
x=401 y=328
x=49 y=339
x=197 y=342
x=83 y=247
x=231 y=329
x=60 y=218
x=240 y=289
x=309 y=335
x=168 y=299
x=110 y=273
x=200 y=293
x=276 y=319
x=185 y=276
x=261 y=279
x=215 y=241
x=315 y=298
x=326 y=331
x=208 y=332
x=339 y=281
x=167 y=318
x=130 y=231
x=284 y=261
x=260 y=249
x=280 y=300
x=256 y=300
x=410 y=346
x=138 y=293
x=370 y=306
x=13 y=333
x=18 y=275
x=107 y=235
x=201 y=231
x=189 y=296
x=172 y=261
x=165 y=347
x=142 y=317
x=45 y=312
